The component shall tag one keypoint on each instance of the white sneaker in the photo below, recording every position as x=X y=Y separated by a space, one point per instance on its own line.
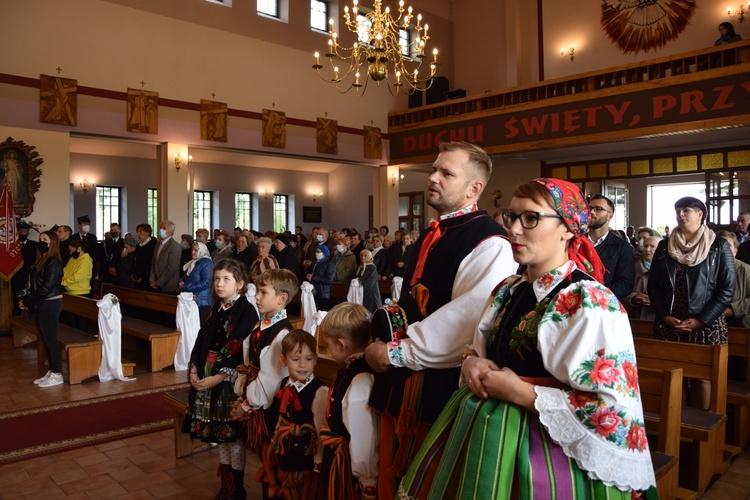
x=54 y=379
x=42 y=379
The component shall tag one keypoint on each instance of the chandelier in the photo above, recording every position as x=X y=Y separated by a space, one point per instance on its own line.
x=377 y=54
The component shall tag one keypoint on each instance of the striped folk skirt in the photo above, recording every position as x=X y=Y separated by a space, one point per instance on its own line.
x=496 y=450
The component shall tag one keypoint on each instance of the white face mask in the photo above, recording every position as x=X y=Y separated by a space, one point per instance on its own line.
x=319 y=256
x=85 y=229
x=340 y=248
x=162 y=233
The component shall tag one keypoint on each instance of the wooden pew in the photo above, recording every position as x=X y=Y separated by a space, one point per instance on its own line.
x=162 y=339
x=738 y=391
x=706 y=429
x=87 y=308
x=661 y=396
x=81 y=351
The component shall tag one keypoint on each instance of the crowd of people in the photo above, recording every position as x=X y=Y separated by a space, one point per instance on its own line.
x=511 y=335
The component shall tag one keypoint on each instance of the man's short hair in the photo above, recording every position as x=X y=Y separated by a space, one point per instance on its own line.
x=645 y=229
x=349 y=321
x=602 y=197
x=743 y=213
x=387 y=229
x=169 y=223
x=115 y=224
x=729 y=236
x=145 y=228
x=281 y=280
x=478 y=157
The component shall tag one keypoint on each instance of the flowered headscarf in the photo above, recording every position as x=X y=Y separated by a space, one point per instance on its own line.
x=571 y=205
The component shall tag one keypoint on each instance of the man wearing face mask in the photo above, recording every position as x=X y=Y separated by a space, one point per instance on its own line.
x=28 y=251
x=165 y=268
x=112 y=253
x=89 y=241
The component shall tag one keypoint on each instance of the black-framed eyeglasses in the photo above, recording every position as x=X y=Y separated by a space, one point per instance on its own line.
x=598 y=210
x=528 y=219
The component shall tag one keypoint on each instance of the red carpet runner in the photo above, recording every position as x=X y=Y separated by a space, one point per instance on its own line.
x=76 y=424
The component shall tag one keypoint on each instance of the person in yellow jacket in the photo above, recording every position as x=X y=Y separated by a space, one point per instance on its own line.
x=77 y=273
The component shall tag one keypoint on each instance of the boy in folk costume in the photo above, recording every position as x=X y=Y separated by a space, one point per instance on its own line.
x=351 y=435
x=262 y=371
x=301 y=405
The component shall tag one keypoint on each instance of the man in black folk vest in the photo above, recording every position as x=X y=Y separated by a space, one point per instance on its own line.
x=452 y=271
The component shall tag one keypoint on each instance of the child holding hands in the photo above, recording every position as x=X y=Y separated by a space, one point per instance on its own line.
x=262 y=370
x=212 y=371
x=352 y=428
x=301 y=403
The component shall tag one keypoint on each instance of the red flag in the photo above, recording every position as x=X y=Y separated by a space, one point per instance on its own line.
x=11 y=259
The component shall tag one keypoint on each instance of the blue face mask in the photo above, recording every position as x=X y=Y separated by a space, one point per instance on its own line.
x=218 y=244
x=340 y=248
x=319 y=238
x=183 y=245
x=162 y=233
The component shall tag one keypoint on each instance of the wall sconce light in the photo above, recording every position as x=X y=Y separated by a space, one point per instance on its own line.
x=317 y=194
x=571 y=52
x=740 y=14
x=267 y=193
x=178 y=161
x=396 y=179
x=85 y=184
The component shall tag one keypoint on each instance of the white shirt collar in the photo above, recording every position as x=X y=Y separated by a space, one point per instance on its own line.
x=597 y=242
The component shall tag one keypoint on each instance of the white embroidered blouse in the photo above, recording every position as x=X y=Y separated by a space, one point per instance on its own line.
x=585 y=342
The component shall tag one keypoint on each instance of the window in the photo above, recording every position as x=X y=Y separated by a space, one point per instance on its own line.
x=319 y=15
x=411 y=211
x=269 y=8
x=243 y=210
x=202 y=213
x=363 y=26
x=404 y=39
x=151 y=204
x=107 y=208
x=280 y=212
x=661 y=202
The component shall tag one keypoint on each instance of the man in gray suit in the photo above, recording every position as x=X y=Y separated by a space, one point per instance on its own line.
x=165 y=268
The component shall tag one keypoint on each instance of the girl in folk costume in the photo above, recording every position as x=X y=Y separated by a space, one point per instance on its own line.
x=301 y=404
x=551 y=403
x=352 y=431
x=262 y=370
x=213 y=370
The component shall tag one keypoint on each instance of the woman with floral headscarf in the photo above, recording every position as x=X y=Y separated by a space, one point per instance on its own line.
x=551 y=403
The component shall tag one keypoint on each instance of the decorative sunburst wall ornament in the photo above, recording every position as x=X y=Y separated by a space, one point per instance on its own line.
x=643 y=25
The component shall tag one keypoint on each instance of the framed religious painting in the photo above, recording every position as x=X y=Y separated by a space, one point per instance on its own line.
x=19 y=167
x=58 y=100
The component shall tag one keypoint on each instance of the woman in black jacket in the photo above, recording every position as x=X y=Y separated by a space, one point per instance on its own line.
x=691 y=284
x=44 y=301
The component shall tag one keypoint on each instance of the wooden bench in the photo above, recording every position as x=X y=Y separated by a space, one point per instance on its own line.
x=82 y=354
x=87 y=308
x=23 y=330
x=738 y=391
x=661 y=396
x=162 y=340
x=706 y=429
